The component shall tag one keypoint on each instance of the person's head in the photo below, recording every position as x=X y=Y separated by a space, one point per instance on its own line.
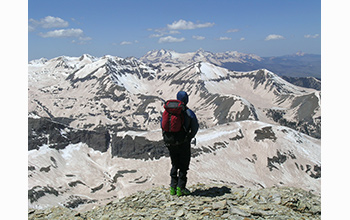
x=182 y=96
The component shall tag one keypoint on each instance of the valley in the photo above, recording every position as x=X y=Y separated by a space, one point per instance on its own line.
x=94 y=128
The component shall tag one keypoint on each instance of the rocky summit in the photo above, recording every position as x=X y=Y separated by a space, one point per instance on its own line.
x=211 y=201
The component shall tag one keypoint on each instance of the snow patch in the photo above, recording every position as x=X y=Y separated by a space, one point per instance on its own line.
x=34 y=116
x=44 y=149
x=69 y=150
x=204 y=136
x=210 y=71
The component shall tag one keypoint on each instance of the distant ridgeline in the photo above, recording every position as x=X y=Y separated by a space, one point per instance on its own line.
x=296 y=65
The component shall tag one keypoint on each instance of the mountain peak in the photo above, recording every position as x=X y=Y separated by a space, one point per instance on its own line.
x=299 y=64
x=169 y=56
x=87 y=56
x=38 y=61
x=300 y=53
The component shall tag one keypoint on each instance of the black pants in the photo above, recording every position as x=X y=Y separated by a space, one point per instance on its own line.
x=180 y=161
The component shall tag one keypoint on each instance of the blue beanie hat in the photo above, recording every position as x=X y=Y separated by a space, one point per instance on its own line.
x=182 y=96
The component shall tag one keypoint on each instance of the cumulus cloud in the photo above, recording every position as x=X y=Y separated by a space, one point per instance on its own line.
x=274 y=37
x=82 y=40
x=31 y=28
x=242 y=39
x=63 y=33
x=162 y=32
x=48 y=22
x=312 y=36
x=55 y=22
x=198 y=37
x=156 y=35
x=125 y=43
x=225 y=38
x=128 y=42
x=232 y=31
x=170 y=39
x=188 y=25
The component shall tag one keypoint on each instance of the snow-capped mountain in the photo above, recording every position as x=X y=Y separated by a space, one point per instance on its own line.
x=108 y=91
x=221 y=96
x=172 y=57
x=128 y=94
x=94 y=130
x=296 y=65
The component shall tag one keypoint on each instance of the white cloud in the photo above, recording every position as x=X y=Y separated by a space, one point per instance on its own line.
x=63 y=33
x=312 y=36
x=164 y=33
x=128 y=42
x=156 y=35
x=82 y=40
x=85 y=38
x=174 y=32
x=242 y=39
x=125 y=43
x=170 y=39
x=198 y=37
x=187 y=25
x=225 y=38
x=56 y=22
x=274 y=37
x=232 y=31
x=31 y=28
x=49 y=22
x=161 y=32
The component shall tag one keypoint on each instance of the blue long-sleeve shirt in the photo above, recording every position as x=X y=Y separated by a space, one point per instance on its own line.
x=191 y=123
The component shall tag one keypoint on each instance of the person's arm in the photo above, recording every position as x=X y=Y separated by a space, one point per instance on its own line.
x=194 y=126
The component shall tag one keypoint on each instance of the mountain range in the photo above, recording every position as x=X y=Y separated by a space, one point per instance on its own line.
x=299 y=65
x=94 y=133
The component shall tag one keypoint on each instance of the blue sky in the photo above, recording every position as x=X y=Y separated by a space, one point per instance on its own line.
x=134 y=27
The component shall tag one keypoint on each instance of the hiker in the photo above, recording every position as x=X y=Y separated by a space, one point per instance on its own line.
x=179 y=126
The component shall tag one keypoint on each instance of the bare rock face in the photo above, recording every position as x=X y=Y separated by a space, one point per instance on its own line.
x=138 y=148
x=44 y=131
x=308 y=82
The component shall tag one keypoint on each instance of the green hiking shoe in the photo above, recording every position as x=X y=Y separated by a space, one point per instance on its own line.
x=182 y=192
x=172 y=191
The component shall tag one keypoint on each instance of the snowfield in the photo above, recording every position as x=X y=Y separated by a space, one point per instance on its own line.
x=89 y=118
x=227 y=154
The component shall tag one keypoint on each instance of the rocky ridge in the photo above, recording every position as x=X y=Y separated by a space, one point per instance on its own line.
x=103 y=114
x=213 y=201
x=127 y=94
x=307 y=82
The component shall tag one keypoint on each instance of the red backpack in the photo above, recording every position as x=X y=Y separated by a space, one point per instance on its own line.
x=173 y=122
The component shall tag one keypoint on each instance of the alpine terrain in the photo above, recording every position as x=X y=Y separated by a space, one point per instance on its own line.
x=301 y=65
x=94 y=128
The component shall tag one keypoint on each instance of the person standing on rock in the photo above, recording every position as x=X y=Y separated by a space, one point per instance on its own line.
x=179 y=126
